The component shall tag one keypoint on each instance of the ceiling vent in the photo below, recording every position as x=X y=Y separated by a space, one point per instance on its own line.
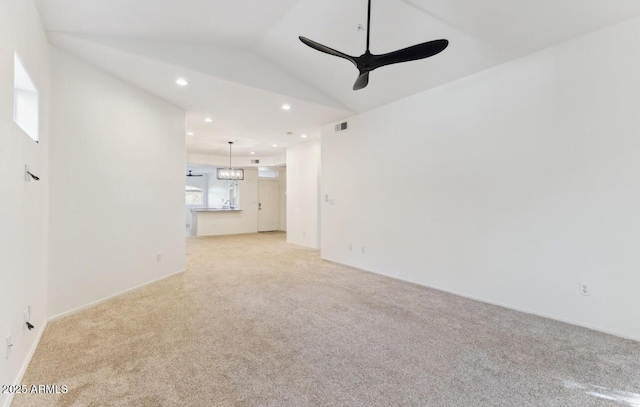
x=341 y=126
x=255 y=161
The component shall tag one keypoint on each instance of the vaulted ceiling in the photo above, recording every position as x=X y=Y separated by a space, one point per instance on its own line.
x=243 y=59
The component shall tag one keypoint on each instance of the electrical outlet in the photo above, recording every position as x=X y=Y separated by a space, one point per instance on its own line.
x=363 y=250
x=350 y=246
x=159 y=257
x=585 y=289
x=9 y=346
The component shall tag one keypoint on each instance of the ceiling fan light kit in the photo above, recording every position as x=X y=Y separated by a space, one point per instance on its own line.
x=368 y=62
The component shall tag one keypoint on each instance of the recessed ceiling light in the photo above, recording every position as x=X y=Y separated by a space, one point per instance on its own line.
x=208 y=120
x=190 y=134
x=253 y=153
x=275 y=145
x=182 y=82
x=286 y=107
x=304 y=136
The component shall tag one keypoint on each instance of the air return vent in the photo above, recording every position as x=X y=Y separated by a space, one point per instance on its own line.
x=255 y=161
x=341 y=126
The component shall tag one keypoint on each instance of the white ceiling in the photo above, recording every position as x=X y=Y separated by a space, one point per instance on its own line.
x=243 y=58
x=235 y=22
x=249 y=116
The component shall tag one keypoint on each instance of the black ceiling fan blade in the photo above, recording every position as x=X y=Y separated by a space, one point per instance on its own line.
x=367 y=62
x=326 y=50
x=420 y=51
x=362 y=81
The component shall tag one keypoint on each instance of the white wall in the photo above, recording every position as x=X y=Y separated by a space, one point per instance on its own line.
x=512 y=185
x=23 y=205
x=117 y=162
x=303 y=182
x=238 y=162
x=232 y=223
x=282 y=191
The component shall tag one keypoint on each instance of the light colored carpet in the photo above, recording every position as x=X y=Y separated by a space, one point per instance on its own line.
x=257 y=322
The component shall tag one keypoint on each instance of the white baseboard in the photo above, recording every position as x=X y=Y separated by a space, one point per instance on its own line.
x=487 y=301
x=312 y=247
x=26 y=363
x=94 y=303
x=32 y=351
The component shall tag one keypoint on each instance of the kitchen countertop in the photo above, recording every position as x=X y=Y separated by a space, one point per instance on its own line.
x=214 y=210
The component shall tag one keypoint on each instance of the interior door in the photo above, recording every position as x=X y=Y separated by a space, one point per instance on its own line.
x=268 y=206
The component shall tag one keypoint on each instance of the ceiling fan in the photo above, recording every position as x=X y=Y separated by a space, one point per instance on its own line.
x=367 y=62
x=193 y=175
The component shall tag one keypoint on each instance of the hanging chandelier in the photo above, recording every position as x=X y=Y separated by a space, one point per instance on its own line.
x=230 y=174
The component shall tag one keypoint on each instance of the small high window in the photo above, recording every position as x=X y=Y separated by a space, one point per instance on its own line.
x=267 y=172
x=26 y=109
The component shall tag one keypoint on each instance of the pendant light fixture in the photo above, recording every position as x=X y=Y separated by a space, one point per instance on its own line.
x=230 y=174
